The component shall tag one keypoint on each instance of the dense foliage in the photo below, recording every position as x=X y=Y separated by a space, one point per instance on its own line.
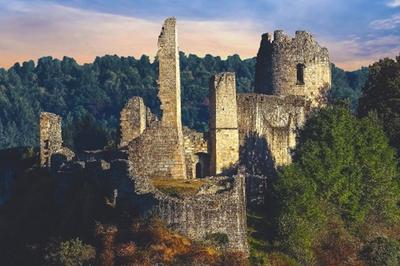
x=348 y=85
x=382 y=96
x=90 y=97
x=344 y=170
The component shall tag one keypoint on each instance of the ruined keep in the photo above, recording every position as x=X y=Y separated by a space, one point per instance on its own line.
x=223 y=124
x=250 y=134
x=292 y=77
x=293 y=66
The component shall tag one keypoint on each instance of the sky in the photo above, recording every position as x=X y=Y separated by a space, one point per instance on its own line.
x=356 y=32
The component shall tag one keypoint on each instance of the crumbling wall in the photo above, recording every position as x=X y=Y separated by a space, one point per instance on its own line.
x=196 y=145
x=279 y=59
x=224 y=136
x=274 y=118
x=159 y=150
x=157 y=153
x=219 y=207
x=135 y=117
x=50 y=137
x=51 y=140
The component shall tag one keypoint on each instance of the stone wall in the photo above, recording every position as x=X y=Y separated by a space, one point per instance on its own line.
x=274 y=118
x=135 y=117
x=51 y=143
x=278 y=61
x=50 y=137
x=157 y=153
x=196 y=156
x=223 y=124
x=218 y=208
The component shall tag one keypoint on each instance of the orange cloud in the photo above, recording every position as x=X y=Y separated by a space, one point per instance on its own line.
x=59 y=31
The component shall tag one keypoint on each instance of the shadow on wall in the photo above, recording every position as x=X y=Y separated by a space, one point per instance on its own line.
x=256 y=156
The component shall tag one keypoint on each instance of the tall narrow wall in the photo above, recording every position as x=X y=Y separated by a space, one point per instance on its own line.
x=224 y=136
x=50 y=137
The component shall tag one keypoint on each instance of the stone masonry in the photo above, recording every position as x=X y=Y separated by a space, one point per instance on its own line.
x=50 y=137
x=293 y=66
x=169 y=76
x=274 y=119
x=135 y=117
x=224 y=135
x=51 y=142
x=133 y=120
x=159 y=151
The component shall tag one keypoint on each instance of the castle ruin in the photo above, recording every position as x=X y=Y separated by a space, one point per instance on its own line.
x=292 y=77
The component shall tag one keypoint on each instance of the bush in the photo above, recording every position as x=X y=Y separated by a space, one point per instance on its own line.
x=382 y=251
x=219 y=239
x=69 y=253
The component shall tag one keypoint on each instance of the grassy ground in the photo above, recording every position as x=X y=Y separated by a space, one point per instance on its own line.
x=179 y=188
x=262 y=250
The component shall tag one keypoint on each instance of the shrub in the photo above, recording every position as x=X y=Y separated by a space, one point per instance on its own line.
x=69 y=253
x=218 y=239
x=382 y=251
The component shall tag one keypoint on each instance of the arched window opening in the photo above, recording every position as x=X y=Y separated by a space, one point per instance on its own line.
x=199 y=170
x=300 y=74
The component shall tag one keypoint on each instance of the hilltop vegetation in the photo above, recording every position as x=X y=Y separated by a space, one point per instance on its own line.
x=89 y=97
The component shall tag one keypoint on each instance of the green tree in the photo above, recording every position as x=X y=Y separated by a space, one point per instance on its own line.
x=381 y=94
x=343 y=166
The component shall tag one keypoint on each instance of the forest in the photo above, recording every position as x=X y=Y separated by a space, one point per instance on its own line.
x=90 y=97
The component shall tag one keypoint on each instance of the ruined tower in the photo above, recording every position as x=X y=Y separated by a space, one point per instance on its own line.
x=159 y=151
x=169 y=75
x=293 y=66
x=223 y=123
x=50 y=137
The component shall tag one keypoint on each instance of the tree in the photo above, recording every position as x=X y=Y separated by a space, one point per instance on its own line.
x=69 y=253
x=342 y=166
x=381 y=94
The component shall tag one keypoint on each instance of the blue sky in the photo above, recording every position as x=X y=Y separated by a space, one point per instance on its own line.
x=356 y=32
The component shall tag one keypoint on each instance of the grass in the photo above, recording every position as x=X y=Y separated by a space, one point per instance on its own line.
x=259 y=235
x=177 y=187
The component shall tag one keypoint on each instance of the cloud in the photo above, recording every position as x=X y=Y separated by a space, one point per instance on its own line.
x=386 y=24
x=394 y=3
x=36 y=29
x=353 y=52
x=39 y=29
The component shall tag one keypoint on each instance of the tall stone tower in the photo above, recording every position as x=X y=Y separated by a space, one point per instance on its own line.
x=159 y=151
x=223 y=123
x=293 y=66
x=50 y=137
x=169 y=78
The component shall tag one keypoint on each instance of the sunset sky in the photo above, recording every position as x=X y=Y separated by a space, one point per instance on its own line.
x=356 y=32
